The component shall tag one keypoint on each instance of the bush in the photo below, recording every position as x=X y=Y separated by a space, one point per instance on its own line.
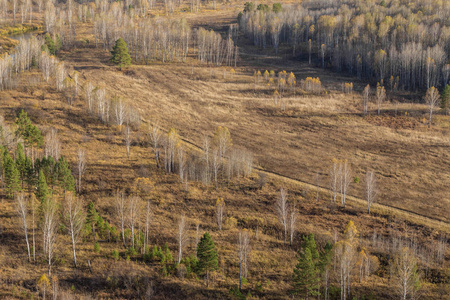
x=131 y=251
x=277 y=7
x=115 y=254
x=236 y=293
x=230 y=223
x=259 y=287
x=97 y=247
x=191 y=265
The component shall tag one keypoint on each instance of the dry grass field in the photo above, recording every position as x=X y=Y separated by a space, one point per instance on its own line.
x=411 y=162
x=109 y=168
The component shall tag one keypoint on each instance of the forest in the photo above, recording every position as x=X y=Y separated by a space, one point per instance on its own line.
x=224 y=149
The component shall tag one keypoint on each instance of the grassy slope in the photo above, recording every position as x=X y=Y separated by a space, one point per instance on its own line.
x=300 y=141
x=411 y=162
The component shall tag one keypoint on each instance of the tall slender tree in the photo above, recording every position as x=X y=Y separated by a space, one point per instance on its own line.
x=74 y=217
x=207 y=256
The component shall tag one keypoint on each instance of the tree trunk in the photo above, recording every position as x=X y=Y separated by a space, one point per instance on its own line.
x=73 y=249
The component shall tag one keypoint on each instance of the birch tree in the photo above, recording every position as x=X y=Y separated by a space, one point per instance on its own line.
x=381 y=96
x=243 y=253
x=22 y=210
x=121 y=208
x=216 y=164
x=75 y=218
x=34 y=205
x=50 y=227
x=220 y=211
x=346 y=258
x=148 y=218
x=182 y=237
x=345 y=179
x=366 y=94
x=371 y=190
x=81 y=163
x=155 y=134
x=432 y=98
x=282 y=209
x=52 y=144
x=120 y=112
x=133 y=210
x=222 y=139
x=405 y=275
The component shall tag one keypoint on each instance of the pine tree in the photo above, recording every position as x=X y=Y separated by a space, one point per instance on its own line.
x=120 y=54
x=306 y=279
x=29 y=174
x=91 y=219
x=207 y=256
x=30 y=133
x=307 y=272
x=65 y=178
x=310 y=243
x=41 y=187
x=12 y=176
x=50 y=44
x=21 y=161
x=23 y=124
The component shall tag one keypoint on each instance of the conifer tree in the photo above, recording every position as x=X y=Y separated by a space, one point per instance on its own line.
x=21 y=161
x=29 y=174
x=207 y=256
x=30 y=133
x=50 y=44
x=306 y=281
x=41 y=188
x=23 y=124
x=120 y=54
x=65 y=178
x=306 y=277
x=92 y=219
x=324 y=266
x=11 y=174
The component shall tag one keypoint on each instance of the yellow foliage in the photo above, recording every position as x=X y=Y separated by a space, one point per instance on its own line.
x=43 y=281
x=350 y=231
x=220 y=202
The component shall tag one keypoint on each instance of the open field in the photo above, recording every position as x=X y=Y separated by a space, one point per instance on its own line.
x=411 y=161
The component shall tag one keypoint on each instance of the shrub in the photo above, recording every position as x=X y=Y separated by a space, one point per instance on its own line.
x=97 y=247
x=115 y=254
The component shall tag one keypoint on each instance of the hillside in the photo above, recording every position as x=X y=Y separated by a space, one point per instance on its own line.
x=283 y=137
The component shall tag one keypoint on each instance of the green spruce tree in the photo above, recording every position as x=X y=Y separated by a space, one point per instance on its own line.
x=120 y=54
x=207 y=256
x=42 y=191
x=30 y=176
x=21 y=161
x=31 y=134
x=65 y=178
x=50 y=44
x=11 y=175
x=91 y=220
x=306 y=277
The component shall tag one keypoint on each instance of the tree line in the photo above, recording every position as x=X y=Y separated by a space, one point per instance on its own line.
x=372 y=40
